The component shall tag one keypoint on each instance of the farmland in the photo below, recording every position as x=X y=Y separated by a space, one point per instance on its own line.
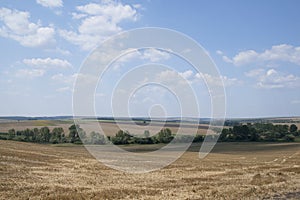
x=231 y=171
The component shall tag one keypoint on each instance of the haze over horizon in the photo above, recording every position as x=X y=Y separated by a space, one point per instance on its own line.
x=255 y=45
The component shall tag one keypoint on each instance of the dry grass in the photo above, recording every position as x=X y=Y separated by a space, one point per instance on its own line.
x=232 y=171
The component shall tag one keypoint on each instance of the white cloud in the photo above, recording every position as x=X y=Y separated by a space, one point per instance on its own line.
x=16 y=26
x=187 y=74
x=30 y=73
x=155 y=55
x=50 y=3
x=78 y=15
x=255 y=73
x=149 y=54
x=60 y=51
x=47 y=63
x=219 y=52
x=273 y=79
x=219 y=81
x=173 y=78
x=277 y=53
x=226 y=59
x=189 y=77
x=98 y=21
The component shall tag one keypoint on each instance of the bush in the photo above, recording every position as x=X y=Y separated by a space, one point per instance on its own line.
x=122 y=137
x=165 y=136
x=3 y=138
x=289 y=138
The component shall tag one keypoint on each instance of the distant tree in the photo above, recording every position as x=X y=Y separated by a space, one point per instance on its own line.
x=96 y=138
x=224 y=135
x=146 y=133
x=45 y=134
x=289 y=138
x=36 y=137
x=57 y=134
x=11 y=134
x=76 y=134
x=254 y=136
x=28 y=135
x=164 y=136
x=198 y=138
x=122 y=137
x=293 y=128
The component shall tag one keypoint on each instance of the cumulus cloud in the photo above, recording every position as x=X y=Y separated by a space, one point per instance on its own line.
x=98 y=21
x=47 y=63
x=15 y=25
x=155 y=55
x=277 y=53
x=37 y=67
x=173 y=78
x=190 y=77
x=147 y=55
x=272 y=78
x=218 y=81
x=50 y=3
x=187 y=74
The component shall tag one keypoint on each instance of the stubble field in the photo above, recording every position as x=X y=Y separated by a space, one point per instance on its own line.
x=231 y=171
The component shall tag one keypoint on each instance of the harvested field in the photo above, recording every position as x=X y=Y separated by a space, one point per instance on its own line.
x=231 y=171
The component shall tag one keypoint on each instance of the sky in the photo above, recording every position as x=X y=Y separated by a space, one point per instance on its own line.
x=254 y=44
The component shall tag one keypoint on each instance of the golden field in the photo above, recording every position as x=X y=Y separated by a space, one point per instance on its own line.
x=231 y=171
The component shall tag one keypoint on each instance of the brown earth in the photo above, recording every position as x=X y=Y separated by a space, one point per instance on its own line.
x=231 y=171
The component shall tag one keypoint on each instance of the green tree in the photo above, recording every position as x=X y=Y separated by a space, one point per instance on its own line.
x=164 y=136
x=11 y=134
x=224 y=135
x=198 y=138
x=76 y=134
x=57 y=134
x=45 y=134
x=28 y=135
x=96 y=138
x=122 y=137
x=293 y=128
x=36 y=135
x=146 y=133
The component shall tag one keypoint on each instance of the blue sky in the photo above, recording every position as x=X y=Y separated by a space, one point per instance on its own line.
x=255 y=44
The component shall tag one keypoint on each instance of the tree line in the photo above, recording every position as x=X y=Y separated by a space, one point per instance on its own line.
x=163 y=136
x=77 y=135
x=242 y=132
x=260 y=132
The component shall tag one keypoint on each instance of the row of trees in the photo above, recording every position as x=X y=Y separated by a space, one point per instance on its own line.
x=44 y=135
x=78 y=136
x=243 y=132
x=164 y=136
x=260 y=132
